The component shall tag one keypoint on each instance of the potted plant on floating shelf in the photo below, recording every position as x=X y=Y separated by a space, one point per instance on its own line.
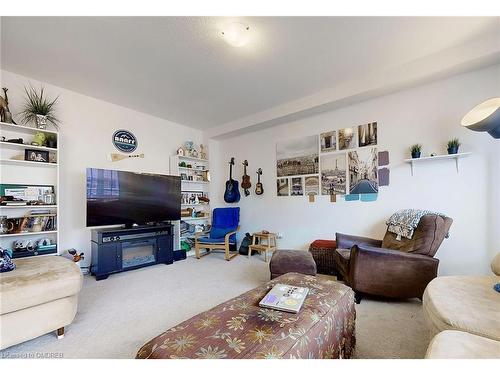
x=415 y=151
x=39 y=109
x=453 y=146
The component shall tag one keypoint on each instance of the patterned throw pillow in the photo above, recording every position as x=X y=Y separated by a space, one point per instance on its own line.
x=6 y=263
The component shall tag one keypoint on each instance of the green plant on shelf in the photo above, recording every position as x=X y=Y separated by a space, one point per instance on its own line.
x=37 y=103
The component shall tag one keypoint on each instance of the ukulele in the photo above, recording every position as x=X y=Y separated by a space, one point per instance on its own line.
x=245 y=180
x=232 y=193
x=259 y=189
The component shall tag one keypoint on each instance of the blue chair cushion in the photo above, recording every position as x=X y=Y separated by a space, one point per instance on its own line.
x=211 y=240
x=220 y=232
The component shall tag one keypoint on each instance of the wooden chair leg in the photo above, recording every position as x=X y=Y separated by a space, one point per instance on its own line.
x=249 y=252
x=197 y=251
x=60 y=333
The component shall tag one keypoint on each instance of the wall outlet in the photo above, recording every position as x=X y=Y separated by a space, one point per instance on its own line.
x=279 y=235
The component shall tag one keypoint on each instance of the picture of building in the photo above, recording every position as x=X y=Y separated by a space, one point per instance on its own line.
x=363 y=166
x=282 y=187
x=367 y=134
x=297 y=157
x=333 y=174
x=311 y=185
x=328 y=141
x=297 y=187
x=347 y=139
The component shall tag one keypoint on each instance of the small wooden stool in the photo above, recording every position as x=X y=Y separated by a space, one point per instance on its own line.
x=269 y=245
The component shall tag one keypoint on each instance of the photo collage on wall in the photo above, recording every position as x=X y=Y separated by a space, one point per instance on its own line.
x=338 y=162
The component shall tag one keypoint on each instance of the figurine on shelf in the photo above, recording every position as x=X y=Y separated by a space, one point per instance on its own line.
x=180 y=151
x=5 y=114
x=203 y=152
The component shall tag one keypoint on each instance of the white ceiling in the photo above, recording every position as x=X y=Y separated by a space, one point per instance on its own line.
x=179 y=69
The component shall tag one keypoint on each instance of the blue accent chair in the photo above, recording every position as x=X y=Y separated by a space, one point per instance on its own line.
x=225 y=225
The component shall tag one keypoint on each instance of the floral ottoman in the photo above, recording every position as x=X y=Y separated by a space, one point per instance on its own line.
x=239 y=328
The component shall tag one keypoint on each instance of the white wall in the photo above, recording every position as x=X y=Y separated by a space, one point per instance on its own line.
x=86 y=130
x=428 y=114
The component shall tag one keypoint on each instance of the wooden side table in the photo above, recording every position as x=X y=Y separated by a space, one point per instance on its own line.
x=267 y=242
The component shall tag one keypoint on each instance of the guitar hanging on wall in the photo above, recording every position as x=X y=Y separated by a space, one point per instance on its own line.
x=259 y=189
x=232 y=193
x=245 y=180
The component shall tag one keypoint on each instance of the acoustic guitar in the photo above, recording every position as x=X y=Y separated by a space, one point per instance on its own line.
x=259 y=189
x=245 y=180
x=232 y=193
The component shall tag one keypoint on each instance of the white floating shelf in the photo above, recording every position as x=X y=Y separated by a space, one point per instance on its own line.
x=27 y=162
x=41 y=233
x=22 y=145
x=194 y=204
x=455 y=157
x=24 y=128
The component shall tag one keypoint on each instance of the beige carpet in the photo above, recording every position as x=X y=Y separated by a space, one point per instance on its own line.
x=116 y=316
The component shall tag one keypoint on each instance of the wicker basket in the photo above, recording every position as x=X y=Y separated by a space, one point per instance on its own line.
x=323 y=252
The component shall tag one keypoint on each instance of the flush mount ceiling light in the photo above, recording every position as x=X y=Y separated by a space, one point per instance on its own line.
x=236 y=34
x=484 y=117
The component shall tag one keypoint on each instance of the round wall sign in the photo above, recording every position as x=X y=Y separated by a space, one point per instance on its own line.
x=124 y=141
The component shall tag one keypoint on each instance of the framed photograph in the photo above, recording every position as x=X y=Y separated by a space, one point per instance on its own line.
x=297 y=187
x=282 y=187
x=333 y=174
x=347 y=138
x=328 y=141
x=297 y=156
x=311 y=185
x=363 y=173
x=367 y=134
x=36 y=155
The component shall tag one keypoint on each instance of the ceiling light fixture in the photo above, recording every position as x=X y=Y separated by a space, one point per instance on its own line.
x=236 y=34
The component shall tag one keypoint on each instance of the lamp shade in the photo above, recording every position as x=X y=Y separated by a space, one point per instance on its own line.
x=484 y=117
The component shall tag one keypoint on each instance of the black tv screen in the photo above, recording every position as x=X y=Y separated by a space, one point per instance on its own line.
x=117 y=197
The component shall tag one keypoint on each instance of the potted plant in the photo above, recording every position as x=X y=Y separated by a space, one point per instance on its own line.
x=38 y=108
x=415 y=151
x=51 y=141
x=453 y=146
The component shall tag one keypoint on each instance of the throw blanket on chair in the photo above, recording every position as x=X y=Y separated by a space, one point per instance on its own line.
x=404 y=222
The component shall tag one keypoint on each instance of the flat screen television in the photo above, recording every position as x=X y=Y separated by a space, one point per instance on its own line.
x=118 y=197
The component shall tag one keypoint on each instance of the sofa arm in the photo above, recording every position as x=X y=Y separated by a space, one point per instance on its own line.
x=390 y=273
x=345 y=241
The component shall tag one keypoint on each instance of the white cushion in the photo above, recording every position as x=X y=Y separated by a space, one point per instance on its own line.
x=462 y=345
x=463 y=303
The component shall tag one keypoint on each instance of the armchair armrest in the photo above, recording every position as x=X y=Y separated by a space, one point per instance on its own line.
x=390 y=273
x=345 y=241
x=228 y=235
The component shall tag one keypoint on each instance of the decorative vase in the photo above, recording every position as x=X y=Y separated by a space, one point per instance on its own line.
x=415 y=154
x=41 y=121
x=453 y=150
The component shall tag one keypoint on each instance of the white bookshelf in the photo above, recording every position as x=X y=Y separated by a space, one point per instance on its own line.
x=191 y=186
x=14 y=170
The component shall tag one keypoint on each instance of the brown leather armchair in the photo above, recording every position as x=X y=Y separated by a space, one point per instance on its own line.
x=391 y=267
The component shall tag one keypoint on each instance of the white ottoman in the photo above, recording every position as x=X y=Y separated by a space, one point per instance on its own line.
x=462 y=345
x=39 y=296
x=463 y=303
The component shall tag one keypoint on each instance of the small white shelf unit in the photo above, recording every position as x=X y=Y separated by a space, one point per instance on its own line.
x=188 y=186
x=22 y=172
x=456 y=157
